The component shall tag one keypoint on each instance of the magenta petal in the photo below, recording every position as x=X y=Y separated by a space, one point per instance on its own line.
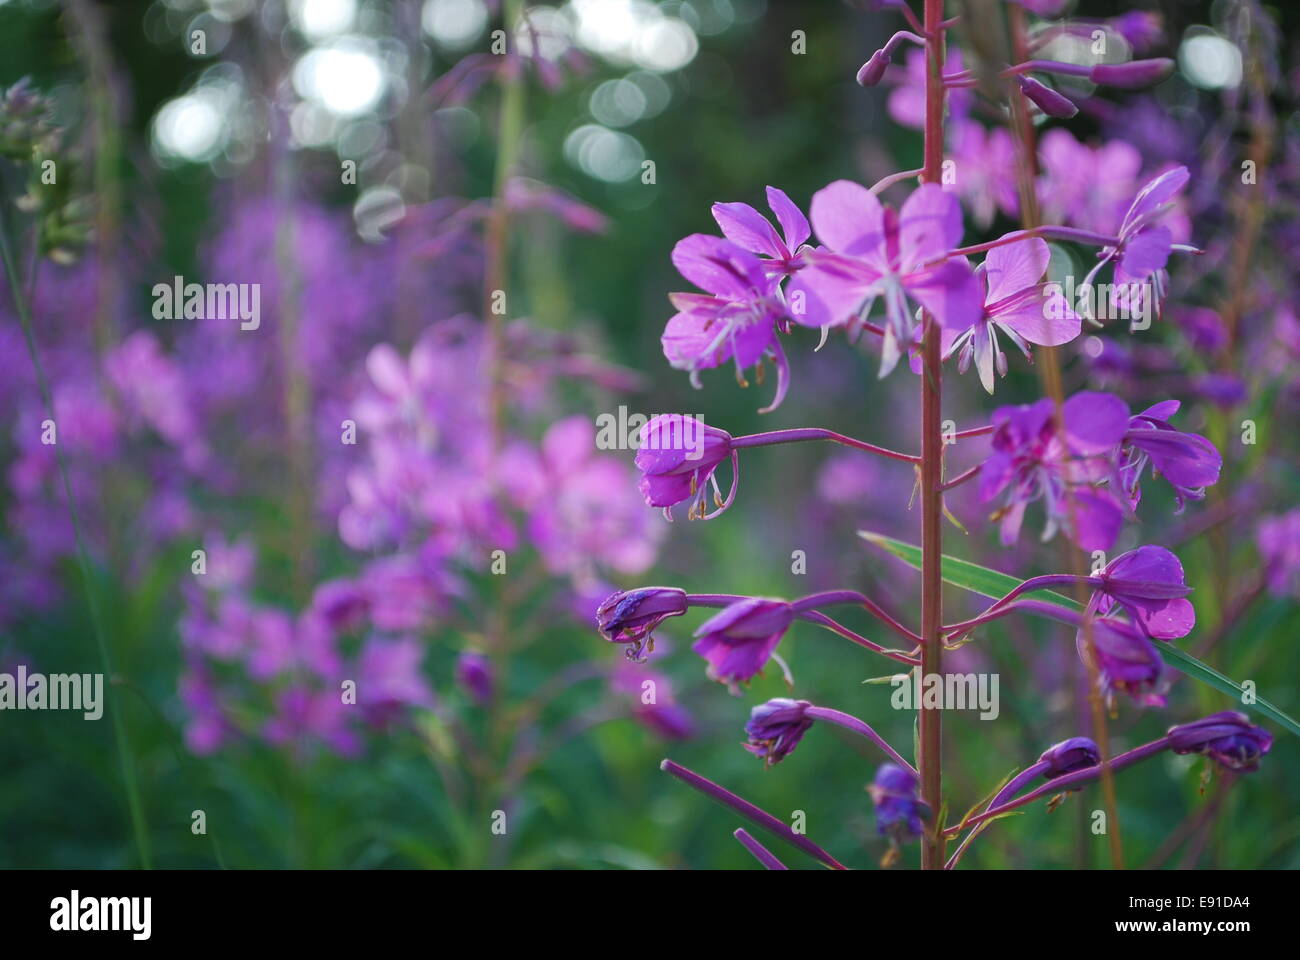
x=1015 y=267
x=718 y=266
x=686 y=341
x=1045 y=319
x=1095 y=422
x=1097 y=520
x=929 y=226
x=818 y=298
x=1146 y=253
x=793 y=223
x=950 y=291
x=746 y=227
x=848 y=218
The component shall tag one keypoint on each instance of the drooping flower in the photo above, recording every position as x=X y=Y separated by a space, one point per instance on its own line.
x=776 y=727
x=1187 y=460
x=739 y=640
x=737 y=319
x=1017 y=304
x=1125 y=660
x=631 y=616
x=747 y=228
x=1077 y=753
x=1032 y=459
x=1227 y=737
x=1147 y=583
x=678 y=457
x=872 y=251
x=899 y=810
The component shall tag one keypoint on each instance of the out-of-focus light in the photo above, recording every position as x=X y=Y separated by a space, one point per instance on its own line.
x=616 y=103
x=454 y=24
x=1209 y=61
x=375 y=211
x=344 y=78
x=312 y=125
x=547 y=30
x=230 y=10
x=633 y=32
x=666 y=45
x=603 y=153
x=193 y=127
x=319 y=19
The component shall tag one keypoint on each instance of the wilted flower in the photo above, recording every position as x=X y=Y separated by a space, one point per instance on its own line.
x=677 y=457
x=1187 y=460
x=1077 y=753
x=776 y=727
x=1148 y=584
x=899 y=811
x=738 y=641
x=631 y=616
x=1032 y=459
x=1126 y=660
x=1228 y=737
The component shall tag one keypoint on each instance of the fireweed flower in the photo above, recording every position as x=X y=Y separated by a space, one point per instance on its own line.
x=747 y=228
x=1145 y=242
x=1018 y=305
x=899 y=811
x=873 y=252
x=737 y=319
x=474 y=676
x=1147 y=583
x=1125 y=659
x=653 y=704
x=1077 y=753
x=631 y=616
x=1228 y=738
x=678 y=457
x=776 y=727
x=1033 y=460
x=738 y=641
x=1187 y=460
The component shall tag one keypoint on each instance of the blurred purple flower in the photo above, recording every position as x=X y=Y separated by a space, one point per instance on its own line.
x=776 y=727
x=1228 y=738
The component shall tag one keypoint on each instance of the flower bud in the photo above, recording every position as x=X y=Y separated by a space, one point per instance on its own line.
x=1051 y=102
x=631 y=616
x=776 y=727
x=1077 y=753
x=898 y=808
x=1132 y=75
x=1228 y=737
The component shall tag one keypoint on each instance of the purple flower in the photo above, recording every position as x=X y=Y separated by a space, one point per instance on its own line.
x=735 y=320
x=1227 y=737
x=654 y=707
x=1144 y=241
x=776 y=727
x=1033 y=460
x=677 y=457
x=747 y=228
x=390 y=678
x=1278 y=541
x=474 y=676
x=899 y=811
x=1148 y=584
x=1187 y=460
x=738 y=641
x=631 y=616
x=1017 y=304
x=873 y=252
x=1077 y=753
x=1126 y=660
x=984 y=158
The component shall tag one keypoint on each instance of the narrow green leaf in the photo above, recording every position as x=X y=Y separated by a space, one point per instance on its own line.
x=992 y=584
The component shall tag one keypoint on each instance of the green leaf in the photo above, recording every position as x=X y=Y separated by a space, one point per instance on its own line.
x=990 y=583
x=964 y=574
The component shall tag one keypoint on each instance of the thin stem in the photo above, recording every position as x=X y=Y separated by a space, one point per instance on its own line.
x=804 y=434
x=930 y=739
x=850 y=722
x=884 y=183
x=125 y=761
x=1030 y=585
x=760 y=852
x=961 y=478
x=750 y=812
x=834 y=597
x=1070 y=779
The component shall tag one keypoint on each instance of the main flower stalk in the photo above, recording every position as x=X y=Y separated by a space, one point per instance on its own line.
x=930 y=759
